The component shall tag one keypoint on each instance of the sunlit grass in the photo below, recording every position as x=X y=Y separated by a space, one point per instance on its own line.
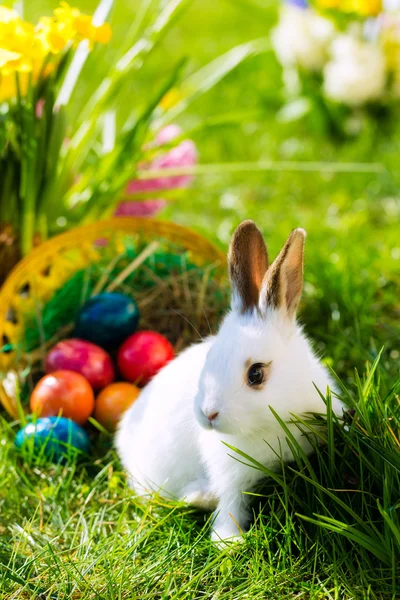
x=326 y=526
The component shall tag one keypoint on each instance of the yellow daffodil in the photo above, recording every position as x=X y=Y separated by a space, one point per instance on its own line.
x=7 y=56
x=9 y=87
x=329 y=4
x=25 y=48
x=81 y=25
x=171 y=98
x=53 y=36
x=7 y=14
x=364 y=8
x=102 y=34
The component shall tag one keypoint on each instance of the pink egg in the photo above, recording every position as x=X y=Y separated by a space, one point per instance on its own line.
x=83 y=357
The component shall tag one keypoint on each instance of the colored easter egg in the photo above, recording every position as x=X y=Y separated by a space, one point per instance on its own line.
x=107 y=319
x=63 y=392
x=142 y=355
x=83 y=357
x=55 y=437
x=113 y=401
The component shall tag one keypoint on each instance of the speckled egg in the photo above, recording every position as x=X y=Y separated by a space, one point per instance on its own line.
x=107 y=319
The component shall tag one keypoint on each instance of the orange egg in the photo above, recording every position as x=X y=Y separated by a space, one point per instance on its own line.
x=113 y=401
x=63 y=392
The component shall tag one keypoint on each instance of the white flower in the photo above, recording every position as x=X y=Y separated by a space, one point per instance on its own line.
x=391 y=5
x=302 y=38
x=356 y=73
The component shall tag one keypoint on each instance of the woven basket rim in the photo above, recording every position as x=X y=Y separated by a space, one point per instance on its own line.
x=127 y=224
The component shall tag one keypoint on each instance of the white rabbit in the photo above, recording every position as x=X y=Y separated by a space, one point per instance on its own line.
x=221 y=390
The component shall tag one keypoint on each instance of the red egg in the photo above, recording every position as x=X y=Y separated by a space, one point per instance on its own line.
x=63 y=392
x=83 y=357
x=142 y=355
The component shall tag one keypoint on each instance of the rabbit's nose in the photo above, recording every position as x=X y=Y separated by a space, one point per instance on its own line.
x=212 y=416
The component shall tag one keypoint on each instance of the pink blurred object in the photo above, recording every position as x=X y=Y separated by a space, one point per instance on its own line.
x=183 y=155
x=100 y=243
x=39 y=108
x=142 y=208
x=167 y=134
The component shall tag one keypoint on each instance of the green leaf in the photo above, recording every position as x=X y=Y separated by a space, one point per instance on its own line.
x=391 y=524
x=208 y=76
x=371 y=544
x=371 y=373
x=264 y=165
x=109 y=86
x=120 y=165
x=337 y=501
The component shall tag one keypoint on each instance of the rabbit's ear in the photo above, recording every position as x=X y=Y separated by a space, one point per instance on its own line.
x=283 y=282
x=248 y=263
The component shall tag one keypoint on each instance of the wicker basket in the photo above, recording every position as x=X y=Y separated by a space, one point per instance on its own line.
x=38 y=276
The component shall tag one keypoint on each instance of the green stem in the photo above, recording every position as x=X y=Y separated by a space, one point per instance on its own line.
x=42 y=226
x=8 y=196
x=28 y=220
x=27 y=231
x=27 y=183
x=264 y=165
x=111 y=83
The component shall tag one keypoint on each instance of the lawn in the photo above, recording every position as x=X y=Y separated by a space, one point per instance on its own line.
x=327 y=527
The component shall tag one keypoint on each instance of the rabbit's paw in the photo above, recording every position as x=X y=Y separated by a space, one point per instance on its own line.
x=226 y=537
x=202 y=500
x=198 y=495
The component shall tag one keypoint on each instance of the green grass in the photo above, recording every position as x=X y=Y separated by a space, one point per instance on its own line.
x=327 y=527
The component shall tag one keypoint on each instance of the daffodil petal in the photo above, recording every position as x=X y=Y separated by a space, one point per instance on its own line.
x=7 y=56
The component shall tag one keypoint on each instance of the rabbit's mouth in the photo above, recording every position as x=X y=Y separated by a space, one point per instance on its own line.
x=208 y=419
x=204 y=421
x=213 y=422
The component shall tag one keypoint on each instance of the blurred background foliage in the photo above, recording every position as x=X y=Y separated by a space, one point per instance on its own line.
x=352 y=304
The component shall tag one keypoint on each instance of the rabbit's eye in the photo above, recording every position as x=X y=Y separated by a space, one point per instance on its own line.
x=257 y=374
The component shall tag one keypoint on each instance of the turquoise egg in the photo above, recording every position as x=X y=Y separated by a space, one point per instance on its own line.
x=55 y=437
x=107 y=319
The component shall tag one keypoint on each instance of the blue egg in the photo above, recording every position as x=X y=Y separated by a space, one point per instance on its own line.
x=107 y=319
x=55 y=437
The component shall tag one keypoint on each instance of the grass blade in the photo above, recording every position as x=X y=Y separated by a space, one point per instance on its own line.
x=208 y=76
x=370 y=544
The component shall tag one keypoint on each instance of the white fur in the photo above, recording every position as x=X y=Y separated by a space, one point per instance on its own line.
x=167 y=444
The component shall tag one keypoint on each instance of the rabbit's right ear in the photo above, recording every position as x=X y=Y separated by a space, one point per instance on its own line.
x=248 y=263
x=283 y=282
